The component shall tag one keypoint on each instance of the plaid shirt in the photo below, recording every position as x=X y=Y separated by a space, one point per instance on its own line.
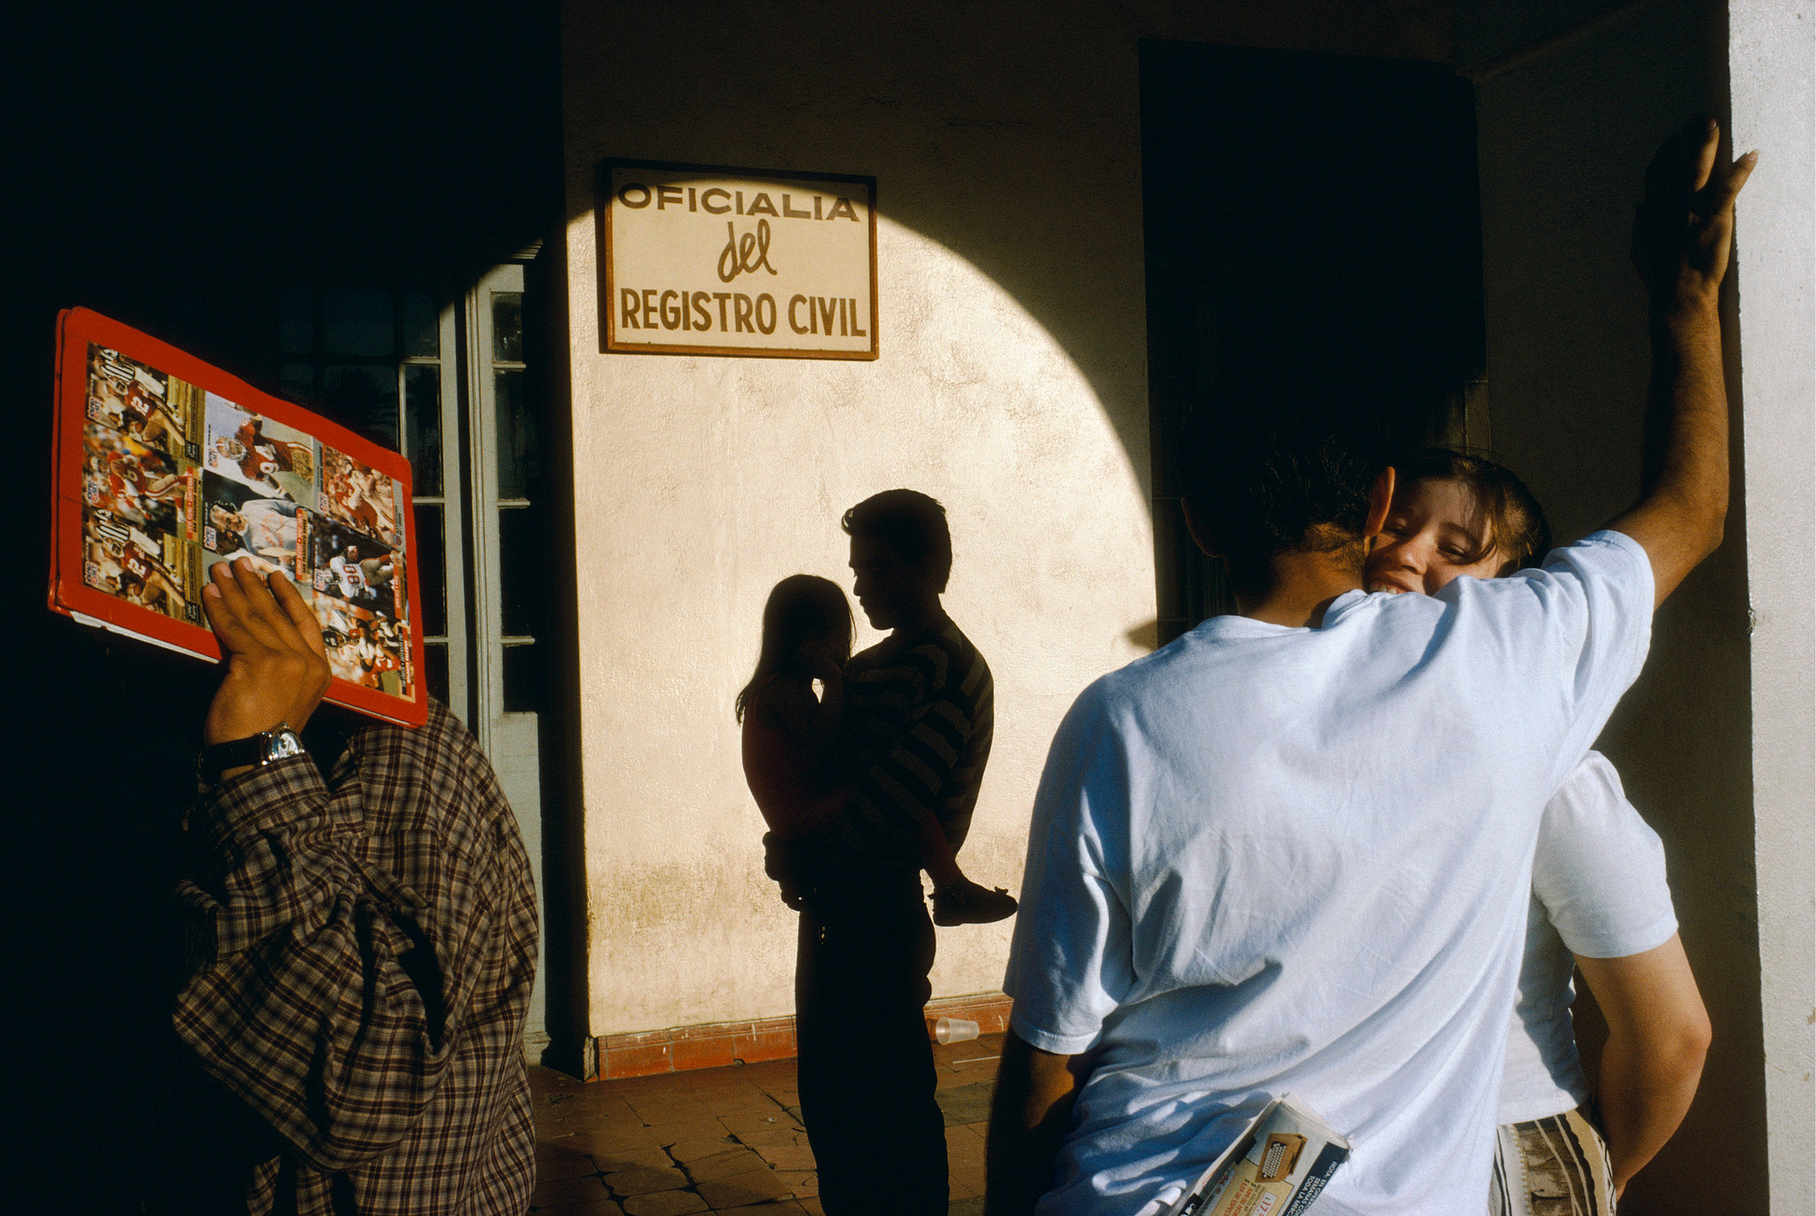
x=365 y=954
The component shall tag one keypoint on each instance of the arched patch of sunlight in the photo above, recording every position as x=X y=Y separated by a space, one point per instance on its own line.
x=705 y=479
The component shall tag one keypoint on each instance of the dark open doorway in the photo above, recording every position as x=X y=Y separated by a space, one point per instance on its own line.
x=1312 y=228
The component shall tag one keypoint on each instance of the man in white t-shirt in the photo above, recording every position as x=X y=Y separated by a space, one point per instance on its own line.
x=1291 y=852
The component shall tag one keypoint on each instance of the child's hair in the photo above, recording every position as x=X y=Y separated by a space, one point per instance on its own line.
x=1516 y=529
x=800 y=607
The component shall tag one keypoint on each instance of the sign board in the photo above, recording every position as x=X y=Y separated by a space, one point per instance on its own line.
x=710 y=260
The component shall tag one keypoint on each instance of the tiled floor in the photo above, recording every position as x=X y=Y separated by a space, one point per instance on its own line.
x=722 y=1140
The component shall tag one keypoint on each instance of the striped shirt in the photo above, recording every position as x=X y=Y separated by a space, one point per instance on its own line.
x=919 y=714
x=364 y=952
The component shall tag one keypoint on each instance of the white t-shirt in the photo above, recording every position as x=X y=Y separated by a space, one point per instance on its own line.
x=1598 y=890
x=1269 y=859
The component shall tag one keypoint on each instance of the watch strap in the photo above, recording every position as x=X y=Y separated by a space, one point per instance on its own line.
x=265 y=747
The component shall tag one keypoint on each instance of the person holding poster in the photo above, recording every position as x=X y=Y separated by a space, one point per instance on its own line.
x=365 y=941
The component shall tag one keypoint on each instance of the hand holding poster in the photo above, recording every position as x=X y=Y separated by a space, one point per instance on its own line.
x=164 y=465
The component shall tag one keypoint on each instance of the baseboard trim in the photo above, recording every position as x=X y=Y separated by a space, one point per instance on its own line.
x=645 y=1053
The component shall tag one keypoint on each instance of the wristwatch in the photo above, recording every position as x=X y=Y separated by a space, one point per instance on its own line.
x=266 y=747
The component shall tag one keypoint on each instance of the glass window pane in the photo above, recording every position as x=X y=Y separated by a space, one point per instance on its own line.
x=422 y=425
x=358 y=323
x=296 y=321
x=524 y=679
x=519 y=444
x=422 y=325
x=363 y=397
x=431 y=571
x=435 y=658
x=522 y=570
x=507 y=326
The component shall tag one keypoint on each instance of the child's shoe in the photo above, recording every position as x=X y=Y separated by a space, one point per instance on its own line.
x=965 y=903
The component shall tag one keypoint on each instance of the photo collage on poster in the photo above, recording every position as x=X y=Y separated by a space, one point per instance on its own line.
x=140 y=442
x=175 y=479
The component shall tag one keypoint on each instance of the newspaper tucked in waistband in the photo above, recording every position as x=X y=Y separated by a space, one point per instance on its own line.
x=1276 y=1167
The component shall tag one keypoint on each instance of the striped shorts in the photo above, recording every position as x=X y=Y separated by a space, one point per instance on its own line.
x=1555 y=1166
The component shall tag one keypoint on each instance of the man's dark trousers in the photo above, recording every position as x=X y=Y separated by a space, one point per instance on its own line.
x=866 y=1068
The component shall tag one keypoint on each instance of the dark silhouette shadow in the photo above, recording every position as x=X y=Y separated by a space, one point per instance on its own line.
x=862 y=788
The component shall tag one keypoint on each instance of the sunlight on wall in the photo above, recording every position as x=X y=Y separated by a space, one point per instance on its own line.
x=701 y=481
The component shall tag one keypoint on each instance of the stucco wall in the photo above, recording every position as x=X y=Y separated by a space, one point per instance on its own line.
x=705 y=480
x=1771 y=47
x=1011 y=385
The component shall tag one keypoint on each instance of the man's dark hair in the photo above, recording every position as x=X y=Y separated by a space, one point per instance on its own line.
x=1264 y=477
x=912 y=524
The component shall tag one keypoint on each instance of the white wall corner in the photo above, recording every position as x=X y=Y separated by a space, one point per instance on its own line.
x=1772 y=44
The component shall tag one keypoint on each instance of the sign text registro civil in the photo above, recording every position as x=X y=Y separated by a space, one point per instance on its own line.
x=715 y=260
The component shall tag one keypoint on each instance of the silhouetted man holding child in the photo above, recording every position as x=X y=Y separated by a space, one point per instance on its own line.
x=917 y=726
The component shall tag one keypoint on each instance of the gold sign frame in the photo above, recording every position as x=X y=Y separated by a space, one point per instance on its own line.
x=667 y=269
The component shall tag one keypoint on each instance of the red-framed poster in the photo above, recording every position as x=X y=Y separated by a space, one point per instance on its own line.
x=164 y=465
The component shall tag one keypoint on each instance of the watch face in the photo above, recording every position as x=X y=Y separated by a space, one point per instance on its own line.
x=284 y=743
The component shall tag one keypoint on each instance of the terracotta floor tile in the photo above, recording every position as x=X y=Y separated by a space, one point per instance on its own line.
x=735 y=1160
x=752 y=1186
x=664 y=1203
x=544 y=1081
x=964 y=1181
x=963 y=1136
x=779 y=1135
x=640 y=1180
x=613 y=1157
x=792 y=1157
x=624 y=1132
x=699 y=1126
x=686 y=1152
x=554 y=1191
x=665 y=1108
x=605 y=1108
x=737 y=1133
x=802 y=1184
x=582 y=1207
x=768 y=1118
x=966 y=1103
x=559 y=1159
